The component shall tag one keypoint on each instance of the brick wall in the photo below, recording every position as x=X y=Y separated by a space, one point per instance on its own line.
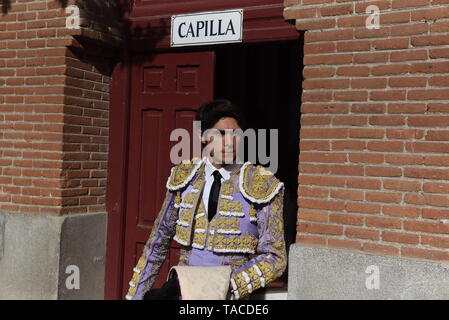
x=54 y=97
x=374 y=127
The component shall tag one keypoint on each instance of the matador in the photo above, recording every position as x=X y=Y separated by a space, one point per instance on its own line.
x=246 y=233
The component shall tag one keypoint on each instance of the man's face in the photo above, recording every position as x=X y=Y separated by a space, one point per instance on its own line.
x=222 y=142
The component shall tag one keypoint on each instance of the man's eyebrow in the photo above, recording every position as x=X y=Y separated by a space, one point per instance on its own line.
x=224 y=131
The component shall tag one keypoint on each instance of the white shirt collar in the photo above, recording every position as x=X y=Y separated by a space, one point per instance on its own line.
x=225 y=170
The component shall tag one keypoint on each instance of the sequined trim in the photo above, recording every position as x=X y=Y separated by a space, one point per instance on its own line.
x=186 y=215
x=258 y=187
x=229 y=243
x=230 y=208
x=136 y=276
x=182 y=173
x=182 y=235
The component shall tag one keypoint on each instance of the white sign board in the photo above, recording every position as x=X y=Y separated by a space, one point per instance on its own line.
x=207 y=28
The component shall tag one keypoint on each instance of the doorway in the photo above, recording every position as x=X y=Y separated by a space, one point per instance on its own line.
x=264 y=79
x=262 y=75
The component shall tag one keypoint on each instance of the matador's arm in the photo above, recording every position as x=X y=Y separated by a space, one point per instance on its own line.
x=271 y=261
x=155 y=250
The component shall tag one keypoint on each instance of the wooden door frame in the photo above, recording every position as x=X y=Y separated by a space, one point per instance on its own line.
x=263 y=22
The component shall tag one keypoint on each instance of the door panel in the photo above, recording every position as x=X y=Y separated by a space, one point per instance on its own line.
x=167 y=89
x=150 y=195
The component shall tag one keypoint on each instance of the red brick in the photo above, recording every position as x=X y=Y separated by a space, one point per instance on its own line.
x=371 y=57
x=400 y=237
x=425 y=253
x=363 y=183
x=380 y=249
x=383 y=196
x=320 y=204
x=430 y=13
x=353 y=71
x=344 y=244
x=347 y=219
x=318 y=228
x=362 y=233
x=310 y=240
x=313 y=215
x=434 y=213
x=391 y=44
x=336 y=10
x=409 y=55
x=404 y=159
x=399 y=4
x=423 y=226
x=362 y=207
x=439 y=242
x=366 y=157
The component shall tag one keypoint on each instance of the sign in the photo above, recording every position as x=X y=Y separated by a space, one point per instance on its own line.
x=203 y=28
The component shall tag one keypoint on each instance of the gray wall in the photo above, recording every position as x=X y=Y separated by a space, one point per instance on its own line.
x=35 y=251
x=324 y=273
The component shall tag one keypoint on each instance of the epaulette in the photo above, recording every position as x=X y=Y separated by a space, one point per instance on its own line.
x=257 y=184
x=182 y=173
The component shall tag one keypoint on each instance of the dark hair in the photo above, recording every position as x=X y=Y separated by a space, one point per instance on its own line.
x=211 y=112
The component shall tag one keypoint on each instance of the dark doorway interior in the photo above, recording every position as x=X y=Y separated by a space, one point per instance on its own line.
x=265 y=80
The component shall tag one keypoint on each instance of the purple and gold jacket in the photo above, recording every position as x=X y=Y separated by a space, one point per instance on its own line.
x=247 y=232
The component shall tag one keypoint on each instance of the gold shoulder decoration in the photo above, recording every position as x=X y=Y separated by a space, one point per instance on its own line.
x=182 y=173
x=257 y=184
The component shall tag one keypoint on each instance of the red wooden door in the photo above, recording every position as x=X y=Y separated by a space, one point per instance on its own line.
x=167 y=89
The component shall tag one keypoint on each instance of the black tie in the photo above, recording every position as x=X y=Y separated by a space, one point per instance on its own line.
x=213 y=195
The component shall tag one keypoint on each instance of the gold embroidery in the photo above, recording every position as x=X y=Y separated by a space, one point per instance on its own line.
x=189 y=199
x=210 y=240
x=180 y=174
x=240 y=282
x=226 y=225
x=182 y=235
x=231 y=208
x=226 y=189
x=184 y=226
x=252 y=273
x=198 y=184
x=136 y=275
x=236 y=261
x=257 y=185
x=225 y=221
x=182 y=257
x=200 y=222
x=185 y=215
x=274 y=263
x=199 y=238
x=242 y=243
x=255 y=281
x=252 y=212
x=222 y=234
x=267 y=270
x=235 y=206
x=142 y=262
x=223 y=205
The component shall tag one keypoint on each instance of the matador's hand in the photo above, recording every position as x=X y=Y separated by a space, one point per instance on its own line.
x=229 y=294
